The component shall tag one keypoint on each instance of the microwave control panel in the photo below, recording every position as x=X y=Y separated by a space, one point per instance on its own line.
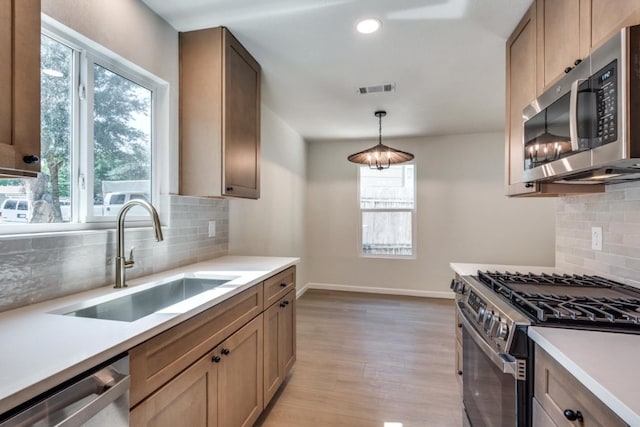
x=605 y=82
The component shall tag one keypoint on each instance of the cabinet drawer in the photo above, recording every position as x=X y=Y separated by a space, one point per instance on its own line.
x=162 y=357
x=277 y=286
x=557 y=390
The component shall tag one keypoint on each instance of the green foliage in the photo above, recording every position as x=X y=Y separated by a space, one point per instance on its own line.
x=121 y=108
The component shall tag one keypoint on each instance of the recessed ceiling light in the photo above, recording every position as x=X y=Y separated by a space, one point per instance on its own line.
x=51 y=72
x=369 y=25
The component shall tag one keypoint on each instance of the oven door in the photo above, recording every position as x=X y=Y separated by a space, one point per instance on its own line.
x=493 y=396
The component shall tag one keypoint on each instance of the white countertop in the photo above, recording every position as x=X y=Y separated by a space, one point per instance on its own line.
x=470 y=269
x=606 y=363
x=41 y=349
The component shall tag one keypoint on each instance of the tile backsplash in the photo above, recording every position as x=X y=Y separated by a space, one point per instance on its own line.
x=617 y=211
x=36 y=268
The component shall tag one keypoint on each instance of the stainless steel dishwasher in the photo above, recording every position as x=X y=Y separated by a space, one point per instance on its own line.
x=99 y=397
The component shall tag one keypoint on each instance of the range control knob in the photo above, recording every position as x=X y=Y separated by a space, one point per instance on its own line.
x=488 y=318
x=493 y=326
x=480 y=315
x=457 y=286
x=502 y=331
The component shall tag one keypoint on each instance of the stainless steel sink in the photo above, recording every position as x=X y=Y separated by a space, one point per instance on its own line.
x=134 y=306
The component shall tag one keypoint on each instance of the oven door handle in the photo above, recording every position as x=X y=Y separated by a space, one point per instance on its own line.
x=505 y=362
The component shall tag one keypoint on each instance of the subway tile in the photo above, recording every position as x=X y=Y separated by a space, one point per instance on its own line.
x=35 y=269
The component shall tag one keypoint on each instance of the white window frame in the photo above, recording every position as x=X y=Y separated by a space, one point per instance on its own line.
x=413 y=212
x=86 y=53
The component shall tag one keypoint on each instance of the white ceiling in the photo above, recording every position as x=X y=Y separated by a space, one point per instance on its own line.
x=446 y=58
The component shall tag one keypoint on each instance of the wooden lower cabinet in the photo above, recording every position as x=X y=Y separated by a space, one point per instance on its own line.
x=223 y=388
x=190 y=399
x=556 y=391
x=240 y=376
x=279 y=343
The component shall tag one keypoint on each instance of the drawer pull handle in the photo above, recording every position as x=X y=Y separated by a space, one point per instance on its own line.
x=573 y=416
x=459 y=372
x=225 y=351
x=459 y=325
x=215 y=359
x=283 y=285
x=282 y=304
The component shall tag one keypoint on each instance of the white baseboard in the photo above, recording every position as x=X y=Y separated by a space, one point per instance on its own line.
x=373 y=290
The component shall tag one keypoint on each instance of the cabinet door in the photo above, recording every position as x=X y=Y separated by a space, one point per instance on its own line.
x=604 y=18
x=190 y=399
x=520 y=91
x=559 y=23
x=241 y=117
x=240 y=376
x=272 y=371
x=6 y=87
x=279 y=343
x=288 y=332
x=19 y=83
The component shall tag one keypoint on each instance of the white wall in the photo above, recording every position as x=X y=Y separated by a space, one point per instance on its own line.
x=462 y=215
x=274 y=225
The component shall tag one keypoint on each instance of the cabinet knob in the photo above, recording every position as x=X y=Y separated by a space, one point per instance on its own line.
x=459 y=372
x=225 y=351
x=459 y=325
x=282 y=304
x=215 y=359
x=568 y=70
x=229 y=188
x=31 y=159
x=573 y=415
x=283 y=285
x=529 y=184
x=286 y=302
x=577 y=61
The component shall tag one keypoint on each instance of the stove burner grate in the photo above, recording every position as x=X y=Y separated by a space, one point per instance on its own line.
x=550 y=301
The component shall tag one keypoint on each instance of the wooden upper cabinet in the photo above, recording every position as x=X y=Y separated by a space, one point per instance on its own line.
x=219 y=116
x=19 y=87
x=568 y=30
x=603 y=18
x=520 y=91
x=558 y=39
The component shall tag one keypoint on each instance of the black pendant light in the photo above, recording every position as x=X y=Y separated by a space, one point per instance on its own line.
x=380 y=156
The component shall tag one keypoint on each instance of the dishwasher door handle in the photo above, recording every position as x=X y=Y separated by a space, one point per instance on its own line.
x=100 y=402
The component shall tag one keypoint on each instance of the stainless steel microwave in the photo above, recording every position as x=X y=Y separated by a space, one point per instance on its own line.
x=586 y=128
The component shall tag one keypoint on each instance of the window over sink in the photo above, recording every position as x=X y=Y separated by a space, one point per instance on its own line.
x=97 y=137
x=387 y=201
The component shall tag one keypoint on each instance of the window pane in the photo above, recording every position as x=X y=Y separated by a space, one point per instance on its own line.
x=122 y=142
x=386 y=233
x=47 y=198
x=391 y=188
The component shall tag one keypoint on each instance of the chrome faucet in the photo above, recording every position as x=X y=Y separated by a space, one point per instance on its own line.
x=122 y=263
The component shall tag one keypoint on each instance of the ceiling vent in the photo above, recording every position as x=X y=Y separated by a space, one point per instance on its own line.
x=386 y=87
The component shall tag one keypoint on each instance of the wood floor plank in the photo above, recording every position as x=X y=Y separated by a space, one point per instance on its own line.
x=367 y=359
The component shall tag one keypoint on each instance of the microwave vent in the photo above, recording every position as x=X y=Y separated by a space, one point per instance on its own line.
x=381 y=88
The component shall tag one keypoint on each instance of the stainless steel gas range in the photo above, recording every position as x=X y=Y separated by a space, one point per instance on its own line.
x=496 y=308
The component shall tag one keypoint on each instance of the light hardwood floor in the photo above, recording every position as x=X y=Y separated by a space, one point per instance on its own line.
x=366 y=359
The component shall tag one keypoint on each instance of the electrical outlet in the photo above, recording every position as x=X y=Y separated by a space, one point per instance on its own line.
x=596 y=238
x=212 y=229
